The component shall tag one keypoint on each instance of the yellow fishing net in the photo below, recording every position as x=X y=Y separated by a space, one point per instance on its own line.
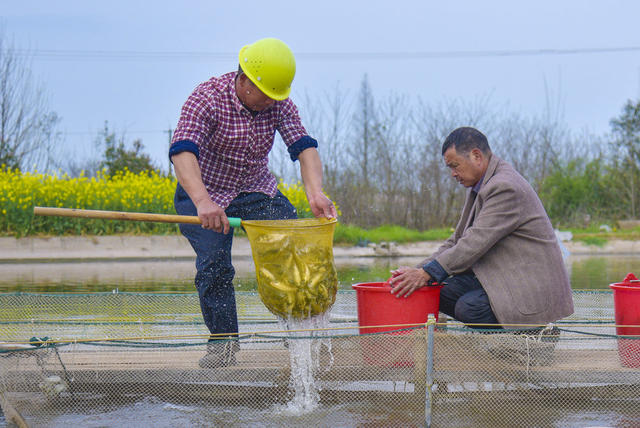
x=294 y=265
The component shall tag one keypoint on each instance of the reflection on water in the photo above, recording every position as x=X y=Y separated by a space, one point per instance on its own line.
x=587 y=272
x=154 y=412
x=158 y=275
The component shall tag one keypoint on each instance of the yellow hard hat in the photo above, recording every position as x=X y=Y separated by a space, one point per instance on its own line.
x=270 y=65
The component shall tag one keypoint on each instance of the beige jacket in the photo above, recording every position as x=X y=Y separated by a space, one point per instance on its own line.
x=512 y=249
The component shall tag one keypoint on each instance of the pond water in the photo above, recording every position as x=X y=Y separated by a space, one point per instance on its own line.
x=586 y=272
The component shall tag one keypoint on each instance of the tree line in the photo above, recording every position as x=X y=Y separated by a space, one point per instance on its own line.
x=383 y=164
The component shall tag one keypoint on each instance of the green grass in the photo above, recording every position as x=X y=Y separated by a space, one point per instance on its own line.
x=594 y=236
x=353 y=235
x=598 y=241
x=348 y=234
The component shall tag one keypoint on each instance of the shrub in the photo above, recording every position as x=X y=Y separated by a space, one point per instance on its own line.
x=146 y=191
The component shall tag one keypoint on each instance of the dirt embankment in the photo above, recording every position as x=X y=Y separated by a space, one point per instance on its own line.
x=177 y=247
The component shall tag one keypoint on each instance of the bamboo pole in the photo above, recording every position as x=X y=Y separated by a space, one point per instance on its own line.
x=115 y=215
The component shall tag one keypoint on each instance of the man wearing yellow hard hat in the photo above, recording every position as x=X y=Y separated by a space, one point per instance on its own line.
x=220 y=154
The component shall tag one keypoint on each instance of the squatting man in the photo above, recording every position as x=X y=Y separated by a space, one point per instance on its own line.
x=503 y=263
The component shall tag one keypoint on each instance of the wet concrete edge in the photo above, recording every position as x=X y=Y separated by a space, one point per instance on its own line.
x=151 y=247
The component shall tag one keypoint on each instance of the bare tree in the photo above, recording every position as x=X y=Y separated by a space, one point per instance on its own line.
x=391 y=142
x=358 y=192
x=365 y=122
x=27 y=126
x=334 y=139
x=327 y=120
x=383 y=162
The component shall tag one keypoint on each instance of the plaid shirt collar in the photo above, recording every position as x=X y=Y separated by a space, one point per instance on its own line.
x=231 y=89
x=233 y=94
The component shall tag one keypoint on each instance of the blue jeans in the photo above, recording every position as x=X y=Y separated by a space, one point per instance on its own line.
x=464 y=299
x=214 y=271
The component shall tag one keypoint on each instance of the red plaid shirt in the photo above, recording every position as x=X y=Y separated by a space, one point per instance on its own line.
x=234 y=145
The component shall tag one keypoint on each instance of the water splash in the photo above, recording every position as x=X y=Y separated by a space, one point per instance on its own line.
x=309 y=354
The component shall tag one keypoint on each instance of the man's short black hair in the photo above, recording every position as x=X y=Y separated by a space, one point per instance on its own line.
x=466 y=139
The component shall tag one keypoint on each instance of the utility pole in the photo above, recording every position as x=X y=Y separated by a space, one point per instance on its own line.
x=170 y=133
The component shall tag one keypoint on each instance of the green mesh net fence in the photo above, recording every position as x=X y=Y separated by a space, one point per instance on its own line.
x=118 y=359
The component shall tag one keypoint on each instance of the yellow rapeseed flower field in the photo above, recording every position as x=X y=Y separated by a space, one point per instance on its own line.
x=124 y=191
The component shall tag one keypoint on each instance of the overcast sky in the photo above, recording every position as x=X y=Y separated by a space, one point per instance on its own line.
x=133 y=63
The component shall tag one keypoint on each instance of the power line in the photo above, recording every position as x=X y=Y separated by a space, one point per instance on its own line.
x=472 y=54
x=54 y=54
x=100 y=131
x=65 y=55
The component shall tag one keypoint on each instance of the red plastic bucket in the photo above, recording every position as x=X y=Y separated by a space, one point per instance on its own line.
x=378 y=307
x=626 y=303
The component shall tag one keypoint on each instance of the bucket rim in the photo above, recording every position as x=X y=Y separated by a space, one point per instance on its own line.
x=624 y=286
x=372 y=285
x=382 y=286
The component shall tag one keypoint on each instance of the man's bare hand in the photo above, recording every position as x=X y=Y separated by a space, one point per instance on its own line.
x=321 y=206
x=406 y=280
x=212 y=216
